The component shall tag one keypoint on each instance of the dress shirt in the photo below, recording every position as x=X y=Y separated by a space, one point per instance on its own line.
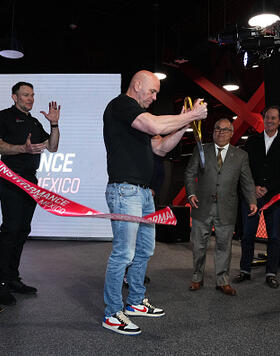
x=223 y=152
x=268 y=140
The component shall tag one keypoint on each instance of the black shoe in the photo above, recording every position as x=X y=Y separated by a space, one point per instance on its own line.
x=241 y=277
x=147 y=280
x=272 y=282
x=6 y=297
x=18 y=287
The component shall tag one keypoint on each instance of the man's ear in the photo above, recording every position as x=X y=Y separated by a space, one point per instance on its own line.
x=14 y=97
x=137 y=85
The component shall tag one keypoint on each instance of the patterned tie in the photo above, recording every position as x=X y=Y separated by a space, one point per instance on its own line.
x=219 y=158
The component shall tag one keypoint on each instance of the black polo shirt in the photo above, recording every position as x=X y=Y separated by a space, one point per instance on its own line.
x=14 y=129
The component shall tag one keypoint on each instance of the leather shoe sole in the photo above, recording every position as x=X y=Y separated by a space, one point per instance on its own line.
x=195 y=286
x=227 y=290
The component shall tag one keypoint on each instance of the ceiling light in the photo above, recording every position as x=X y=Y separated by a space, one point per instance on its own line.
x=230 y=83
x=12 y=48
x=264 y=14
x=160 y=75
x=263 y=20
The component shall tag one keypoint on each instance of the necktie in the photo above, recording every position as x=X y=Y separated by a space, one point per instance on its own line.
x=219 y=158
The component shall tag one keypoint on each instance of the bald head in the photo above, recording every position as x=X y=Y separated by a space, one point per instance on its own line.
x=144 y=87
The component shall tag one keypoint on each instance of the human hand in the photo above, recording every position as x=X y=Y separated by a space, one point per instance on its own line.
x=194 y=201
x=33 y=149
x=53 y=114
x=253 y=209
x=200 y=109
x=260 y=191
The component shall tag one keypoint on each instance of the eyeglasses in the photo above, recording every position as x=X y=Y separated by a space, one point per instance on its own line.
x=222 y=130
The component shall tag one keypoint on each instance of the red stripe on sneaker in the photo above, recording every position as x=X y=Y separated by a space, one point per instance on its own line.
x=144 y=310
x=113 y=324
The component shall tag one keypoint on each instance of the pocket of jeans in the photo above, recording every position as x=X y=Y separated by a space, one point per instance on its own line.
x=128 y=190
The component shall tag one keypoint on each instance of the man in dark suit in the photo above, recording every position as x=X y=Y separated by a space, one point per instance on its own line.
x=212 y=192
x=264 y=158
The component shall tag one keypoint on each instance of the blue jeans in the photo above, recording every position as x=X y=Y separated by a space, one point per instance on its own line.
x=133 y=245
x=250 y=227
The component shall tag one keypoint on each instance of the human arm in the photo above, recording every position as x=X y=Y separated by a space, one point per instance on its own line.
x=53 y=117
x=165 y=124
x=190 y=177
x=162 y=145
x=9 y=149
x=247 y=184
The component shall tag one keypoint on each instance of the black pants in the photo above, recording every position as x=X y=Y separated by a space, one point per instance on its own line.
x=17 y=212
x=250 y=227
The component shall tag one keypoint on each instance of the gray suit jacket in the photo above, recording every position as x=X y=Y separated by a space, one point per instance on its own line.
x=224 y=182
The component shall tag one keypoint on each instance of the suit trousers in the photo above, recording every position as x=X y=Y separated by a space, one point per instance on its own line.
x=200 y=237
x=250 y=227
x=17 y=211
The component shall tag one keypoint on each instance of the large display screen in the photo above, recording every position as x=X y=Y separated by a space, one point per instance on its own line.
x=78 y=169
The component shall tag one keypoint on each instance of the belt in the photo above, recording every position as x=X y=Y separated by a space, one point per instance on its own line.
x=144 y=186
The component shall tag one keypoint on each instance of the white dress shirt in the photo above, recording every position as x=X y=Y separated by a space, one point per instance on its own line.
x=268 y=140
x=223 y=152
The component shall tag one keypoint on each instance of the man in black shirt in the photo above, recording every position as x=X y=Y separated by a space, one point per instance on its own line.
x=22 y=140
x=131 y=136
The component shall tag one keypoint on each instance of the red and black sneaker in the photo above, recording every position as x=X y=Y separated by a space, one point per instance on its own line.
x=144 y=309
x=121 y=324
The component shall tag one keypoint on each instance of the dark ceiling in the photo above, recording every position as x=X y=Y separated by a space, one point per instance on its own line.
x=125 y=36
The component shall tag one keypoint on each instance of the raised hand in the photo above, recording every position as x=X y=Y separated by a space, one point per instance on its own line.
x=53 y=114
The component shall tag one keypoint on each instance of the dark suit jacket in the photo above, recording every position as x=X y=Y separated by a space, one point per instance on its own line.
x=224 y=182
x=265 y=168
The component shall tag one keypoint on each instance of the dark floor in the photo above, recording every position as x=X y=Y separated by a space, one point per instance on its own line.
x=65 y=317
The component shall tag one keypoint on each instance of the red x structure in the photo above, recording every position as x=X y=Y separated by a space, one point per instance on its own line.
x=248 y=114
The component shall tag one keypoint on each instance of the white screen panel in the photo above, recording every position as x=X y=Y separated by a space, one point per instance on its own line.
x=78 y=170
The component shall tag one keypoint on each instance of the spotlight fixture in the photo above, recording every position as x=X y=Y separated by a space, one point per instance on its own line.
x=157 y=67
x=11 y=47
x=230 y=83
x=251 y=59
x=264 y=14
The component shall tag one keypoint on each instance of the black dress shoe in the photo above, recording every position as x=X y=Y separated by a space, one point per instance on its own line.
x=147 y=280
x=272 y=282
x=241 y=277
x=6 y=297
x=18 y=287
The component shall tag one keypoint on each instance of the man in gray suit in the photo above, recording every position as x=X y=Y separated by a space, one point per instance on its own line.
x=212 y=192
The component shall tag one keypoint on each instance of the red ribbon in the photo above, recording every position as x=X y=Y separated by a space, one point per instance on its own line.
x=272 y=201
x=58 y=205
